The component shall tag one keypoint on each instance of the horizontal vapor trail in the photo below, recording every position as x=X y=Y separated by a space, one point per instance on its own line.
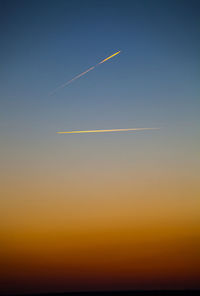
x=83 y=73
x=110 y=130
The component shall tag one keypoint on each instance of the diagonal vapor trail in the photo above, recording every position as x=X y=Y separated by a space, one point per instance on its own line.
x=70 y=81
x=110 y=57
x=83 y=73
x=110 y=130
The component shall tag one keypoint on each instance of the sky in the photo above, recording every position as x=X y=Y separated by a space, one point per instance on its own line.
x=99 y=211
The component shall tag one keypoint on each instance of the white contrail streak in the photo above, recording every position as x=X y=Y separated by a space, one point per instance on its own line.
x=70 y=81
x=110 y=130
x=83 y=73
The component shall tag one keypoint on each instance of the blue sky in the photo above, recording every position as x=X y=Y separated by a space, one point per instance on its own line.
x=154 y=81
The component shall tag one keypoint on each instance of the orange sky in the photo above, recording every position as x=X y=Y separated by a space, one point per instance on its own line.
x=111 y=231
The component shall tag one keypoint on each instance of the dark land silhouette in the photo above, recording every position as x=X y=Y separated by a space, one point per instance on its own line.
x=120 y=293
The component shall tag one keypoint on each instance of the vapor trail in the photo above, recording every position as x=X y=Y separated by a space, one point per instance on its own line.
x=70 y=81
x=109 y=130
x=83 y=73
x=110 y=57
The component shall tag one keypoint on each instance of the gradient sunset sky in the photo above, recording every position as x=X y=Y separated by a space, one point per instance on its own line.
x=102 y=211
